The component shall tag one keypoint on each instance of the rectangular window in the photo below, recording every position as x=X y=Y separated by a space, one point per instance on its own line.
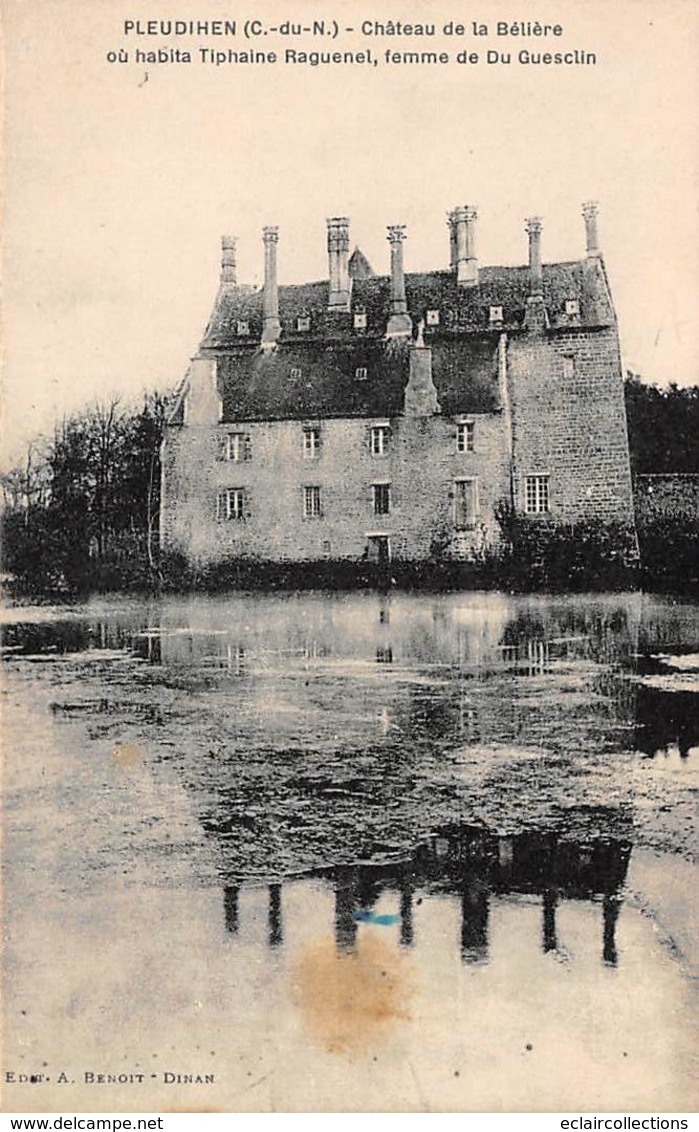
x=536 y=495
x=465 y=436
x=381 y=493
x=568 y=366
x=360 y=320
x=295 y=373
x=572 y=307
x=243 y=326
x=230 y=504
x=433 y=318
x=465 y=505
x=311 y=503
x=303 y=322
x=311 y=443
x=495 y=314
x=234 y=447
x=380 y=435
x=360 y=373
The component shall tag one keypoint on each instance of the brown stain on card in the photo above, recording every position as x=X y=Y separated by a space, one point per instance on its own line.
x=350 y=1001
x=127 y=756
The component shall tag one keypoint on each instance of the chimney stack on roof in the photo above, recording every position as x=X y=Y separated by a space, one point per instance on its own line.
x=338 y=263
x=271 y=327
x=536 y=316
x=589 y=211
x=420 y=397
x=462 y=226
x=536 y=279
x=399 y=322
x=229 y=275
x=451 y=223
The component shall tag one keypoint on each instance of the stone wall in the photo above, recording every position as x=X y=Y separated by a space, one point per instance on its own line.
x=562 y=397
x=569 y=422
x=421 y=466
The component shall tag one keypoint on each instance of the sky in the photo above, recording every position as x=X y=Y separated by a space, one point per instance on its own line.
x=119 y=186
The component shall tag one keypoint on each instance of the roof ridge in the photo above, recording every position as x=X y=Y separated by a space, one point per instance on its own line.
x=434 y=271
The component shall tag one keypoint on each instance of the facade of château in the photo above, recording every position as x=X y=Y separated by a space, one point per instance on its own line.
x=371 y=417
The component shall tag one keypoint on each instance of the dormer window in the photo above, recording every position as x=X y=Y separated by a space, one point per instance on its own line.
x=295 y=372
x=572 y=307
x=432 y=318
x=360 y=320
x=243 y=326
x=303 y=322
x=495 y=314
x=360 y=373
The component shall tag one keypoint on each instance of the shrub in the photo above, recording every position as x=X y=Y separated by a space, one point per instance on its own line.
x=548 y=554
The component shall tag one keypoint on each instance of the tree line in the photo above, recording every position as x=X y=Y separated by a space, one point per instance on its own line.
x=81 y=511
x=663 y=427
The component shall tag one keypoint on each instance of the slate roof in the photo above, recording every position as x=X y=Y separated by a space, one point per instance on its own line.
x=462 y=309
x=312 y=371
x=319 y=380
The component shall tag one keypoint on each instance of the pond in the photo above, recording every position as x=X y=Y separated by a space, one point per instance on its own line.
x=365 y=852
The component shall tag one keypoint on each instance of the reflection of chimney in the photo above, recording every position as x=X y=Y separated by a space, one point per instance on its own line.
x=463 y=221
x=399 y=323
x=474 y=922
x=229 y=274
x=230 y=908
x=590 y=209
x=549 y=920
x=536 y=317
x=345 y=923
x=612 y=907
x=274 y=916
x=338 y=263
x=271 y=327
x=506 y=850
x=407 y=935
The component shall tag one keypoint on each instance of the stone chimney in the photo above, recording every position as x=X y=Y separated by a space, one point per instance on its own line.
x=536 y=317
x=451 y=223
x=589 y=211
x=338 y=263
x=399 y=323
x=536 y=279
x=271 y=326
x=420 y=398
x=597 y=304
x=463 y=233
x=229 y=275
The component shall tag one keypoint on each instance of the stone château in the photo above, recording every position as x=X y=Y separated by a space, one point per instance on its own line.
x=376 y=417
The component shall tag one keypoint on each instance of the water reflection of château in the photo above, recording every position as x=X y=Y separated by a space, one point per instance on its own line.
x=470 y=639
x=475 y=866
x=474 y=647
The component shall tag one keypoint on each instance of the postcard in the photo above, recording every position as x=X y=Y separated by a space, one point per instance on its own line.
x=349 y=520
